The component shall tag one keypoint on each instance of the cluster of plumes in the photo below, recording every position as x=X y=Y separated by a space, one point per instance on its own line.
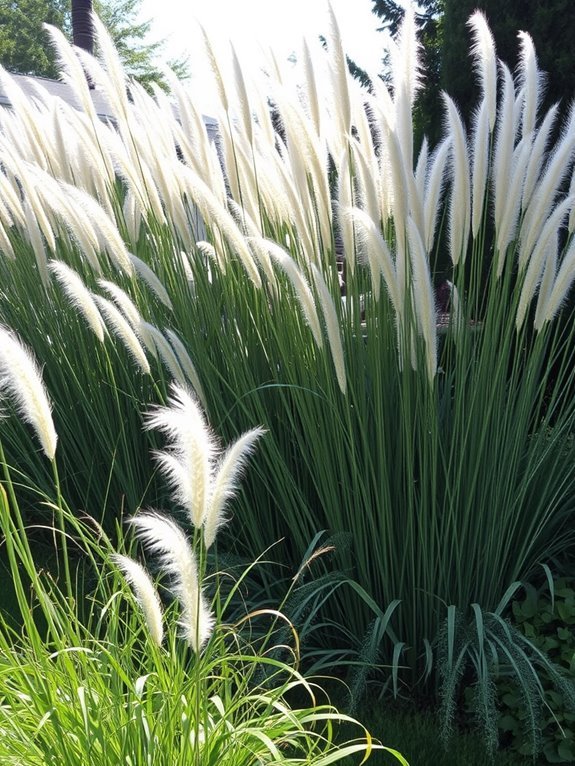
x=271 y=198
x=203 y=479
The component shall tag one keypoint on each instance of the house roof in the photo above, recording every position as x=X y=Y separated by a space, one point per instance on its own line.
x=30 y=86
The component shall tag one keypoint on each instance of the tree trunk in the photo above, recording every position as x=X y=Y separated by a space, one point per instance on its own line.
x=82 y=29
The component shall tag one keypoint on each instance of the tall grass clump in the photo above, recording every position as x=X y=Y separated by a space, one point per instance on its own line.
x=93 y=680
x=288 y=272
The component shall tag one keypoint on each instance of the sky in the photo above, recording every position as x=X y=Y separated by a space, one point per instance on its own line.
x=254 y=25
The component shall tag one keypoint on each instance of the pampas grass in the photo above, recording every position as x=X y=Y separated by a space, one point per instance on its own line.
x=79 y=296
x=21 y=380
x=146 y=595
x=163 y=537
x=442 y=453
x=120 y=327
x=224 y=483
x=187 y=462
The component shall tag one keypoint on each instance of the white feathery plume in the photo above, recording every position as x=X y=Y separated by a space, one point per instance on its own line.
x=145 y=593
x=165 y=538
x=366 y=176
x=339 y=75
x=187 y=365
x=423 y=295
x=546 y=284
x=504 y=143
x=5 y=217
x=459 y=207
x=298 y=214
x=571 y=193
x=379 y=256
x=345 y=201
x=300 y=285
x=27 y=117
x=433 y=191
x=219 y=218
x=71 y=71
x=218 y=77
x=537 y=156
x=209 y=252
x=121 y=328
x=79 y=230
x=35 y=238
x=483 y=52
x=332 y=327
x=561 y=286
x=131 y=313
x=242 y=97
x=559 y=164
x=530 y=79
x=107 y=234
x=480 y=165
x=21 y=379
x=149 y=277
x=123 y=302
x=537 y=259
x=253 y=235
x=115 y=81
x=166 y=353
x=79 y=296
x=225 y=481
x=187 y=461
x=10 y=197
x=400 y=173
x=311 y=88
x=406 y=81
x=192 y=136
x=5 y=244
x=145 y=334
x=512 y=209
x=132 y=214
x=422 y=168
x=307 y=160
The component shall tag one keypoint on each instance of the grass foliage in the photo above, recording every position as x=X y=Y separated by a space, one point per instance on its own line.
x=442 y=453
x=92 y=679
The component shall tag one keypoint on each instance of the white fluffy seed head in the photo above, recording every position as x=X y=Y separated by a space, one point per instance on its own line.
x=79 y=296
x=227 y=473
x=145 y=593
x=21 y=379
x=483 y=52
x=150 y=278
x=121 y=329
x=187 y=462
x=165 y=538
x=300 y=285
x=332 y=327
x=459 y=208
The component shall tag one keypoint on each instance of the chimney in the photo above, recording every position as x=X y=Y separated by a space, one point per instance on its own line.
x=82 y=29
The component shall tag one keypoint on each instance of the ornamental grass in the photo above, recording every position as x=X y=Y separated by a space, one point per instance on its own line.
x=288 y=272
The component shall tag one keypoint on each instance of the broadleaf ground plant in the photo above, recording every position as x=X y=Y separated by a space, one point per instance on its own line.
x=288 y=273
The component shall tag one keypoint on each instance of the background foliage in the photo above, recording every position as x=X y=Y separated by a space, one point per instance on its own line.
x=25 y=47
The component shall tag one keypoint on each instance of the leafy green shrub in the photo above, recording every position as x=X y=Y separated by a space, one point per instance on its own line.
x=547 y=619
